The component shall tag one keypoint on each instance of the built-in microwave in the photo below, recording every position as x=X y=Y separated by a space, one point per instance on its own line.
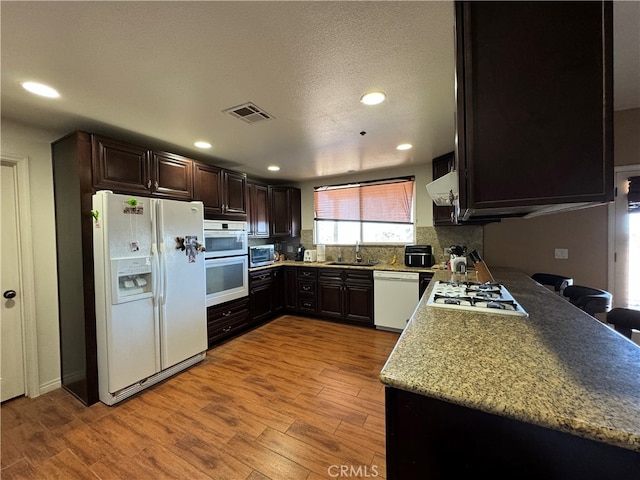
x=225 y=239
x=261 y=255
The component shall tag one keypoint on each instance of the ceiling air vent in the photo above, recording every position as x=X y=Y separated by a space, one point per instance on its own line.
x=248 y=112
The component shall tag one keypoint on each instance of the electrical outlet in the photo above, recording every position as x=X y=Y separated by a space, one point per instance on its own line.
x=562 y=253
x=289 y=249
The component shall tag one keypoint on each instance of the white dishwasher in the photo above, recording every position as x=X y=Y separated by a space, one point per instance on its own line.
x=395 y=297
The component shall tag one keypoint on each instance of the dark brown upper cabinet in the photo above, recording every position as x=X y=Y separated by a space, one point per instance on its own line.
x=120 y=166
x=534 y=106
x=284 y=211
x=223 y=192
x=127 y=168
x=258 y=210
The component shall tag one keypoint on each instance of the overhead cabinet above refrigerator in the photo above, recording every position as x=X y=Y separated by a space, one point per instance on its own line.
x=534 y=107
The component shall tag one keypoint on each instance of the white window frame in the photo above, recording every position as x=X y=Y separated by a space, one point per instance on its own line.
x=375 y=244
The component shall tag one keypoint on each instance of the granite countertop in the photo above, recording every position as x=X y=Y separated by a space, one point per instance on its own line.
x=398 y=267
x=559 y=368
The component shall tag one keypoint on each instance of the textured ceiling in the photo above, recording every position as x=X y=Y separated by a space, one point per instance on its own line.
x=167 y=70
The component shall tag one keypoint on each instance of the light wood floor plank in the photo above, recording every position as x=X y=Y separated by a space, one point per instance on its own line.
x=286 y=401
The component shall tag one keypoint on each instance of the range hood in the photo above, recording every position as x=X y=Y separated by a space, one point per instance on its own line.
x=445 y=192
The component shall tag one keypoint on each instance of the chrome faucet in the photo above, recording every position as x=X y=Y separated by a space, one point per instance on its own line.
x=358 y=256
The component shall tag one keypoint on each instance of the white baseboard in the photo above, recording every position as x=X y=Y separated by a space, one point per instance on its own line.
x=50 y=386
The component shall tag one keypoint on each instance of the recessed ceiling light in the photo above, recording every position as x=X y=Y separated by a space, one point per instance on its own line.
x=202 y=144
x=40 y=89
x=273 y=168
x=373 y=98
x=404 y=146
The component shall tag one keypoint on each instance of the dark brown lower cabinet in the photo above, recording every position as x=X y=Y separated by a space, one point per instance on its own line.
x=265 y=294
x=346 y=294
x=430 y=438
x=227 y=319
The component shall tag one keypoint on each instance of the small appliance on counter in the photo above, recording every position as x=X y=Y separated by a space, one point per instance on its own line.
x=310 y=256
x=261 y=255
x=418 y=256
x=458 y=259
x=300 y=253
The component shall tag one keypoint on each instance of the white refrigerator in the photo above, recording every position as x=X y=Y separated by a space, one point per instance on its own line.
x=149 y=291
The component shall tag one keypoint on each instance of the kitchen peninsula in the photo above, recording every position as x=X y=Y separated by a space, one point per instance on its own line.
x=552 y=395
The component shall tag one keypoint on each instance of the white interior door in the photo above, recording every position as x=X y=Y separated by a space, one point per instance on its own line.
x=12 y=380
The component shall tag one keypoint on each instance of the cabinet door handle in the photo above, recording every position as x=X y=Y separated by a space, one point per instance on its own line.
x=306 y=288
x=306 y=274
x=156 y=185
x=149 y=184
x=226 y=329
x=226 y=314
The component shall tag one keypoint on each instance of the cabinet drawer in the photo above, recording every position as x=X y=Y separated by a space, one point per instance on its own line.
x=307 y=273
x=306 y=288
x=226 y=328
x=227 y=309
x=258 y=278
x=356 y=276
x=307 y=304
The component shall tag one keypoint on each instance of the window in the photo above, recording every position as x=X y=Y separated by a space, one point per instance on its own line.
x=369 y=212
x=626 y=237
x=633 y=281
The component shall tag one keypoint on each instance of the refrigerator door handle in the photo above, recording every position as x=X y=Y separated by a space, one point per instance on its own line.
x=154 y=254
x=162 y=252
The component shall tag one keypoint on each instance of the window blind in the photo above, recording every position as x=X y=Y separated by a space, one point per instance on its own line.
x=633 y=197
x=388 y=201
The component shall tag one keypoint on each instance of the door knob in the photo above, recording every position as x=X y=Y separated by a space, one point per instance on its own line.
x=9 y=294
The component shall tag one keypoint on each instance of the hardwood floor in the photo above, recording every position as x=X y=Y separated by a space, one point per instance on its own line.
x=293 y=399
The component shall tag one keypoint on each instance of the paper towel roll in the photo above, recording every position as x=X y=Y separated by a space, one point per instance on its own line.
x=320 y=253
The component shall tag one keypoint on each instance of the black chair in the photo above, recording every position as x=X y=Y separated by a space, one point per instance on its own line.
x=591 y=300
x=558 y=282
x=624 y=320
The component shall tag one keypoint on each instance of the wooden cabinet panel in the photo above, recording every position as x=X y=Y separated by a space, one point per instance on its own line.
x=235 y=193
x=207 y=183
x=330 y=299
x=226 y=320
x=265 y=294
x=284 y=211
x=258 y=210
x=223 y=192
x=290 y=296
x=120 y=166
x=306 y=290
x=173 y=177
x=346 y=294
x=535 y=115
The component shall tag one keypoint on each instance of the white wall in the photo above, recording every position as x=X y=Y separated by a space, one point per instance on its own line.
x=24 y=141
x=422 y=173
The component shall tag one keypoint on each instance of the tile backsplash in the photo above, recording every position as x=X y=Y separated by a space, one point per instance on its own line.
x=438 y=237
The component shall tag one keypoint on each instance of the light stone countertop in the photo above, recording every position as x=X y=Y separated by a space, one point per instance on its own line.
x=398 y=267
x=559 y=368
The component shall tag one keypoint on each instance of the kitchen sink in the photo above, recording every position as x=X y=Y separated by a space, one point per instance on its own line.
x=353 y=264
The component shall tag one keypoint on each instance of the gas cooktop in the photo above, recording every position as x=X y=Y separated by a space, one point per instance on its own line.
x=477 y=297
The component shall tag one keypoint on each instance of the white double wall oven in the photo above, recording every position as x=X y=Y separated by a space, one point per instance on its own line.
x=226 y=261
